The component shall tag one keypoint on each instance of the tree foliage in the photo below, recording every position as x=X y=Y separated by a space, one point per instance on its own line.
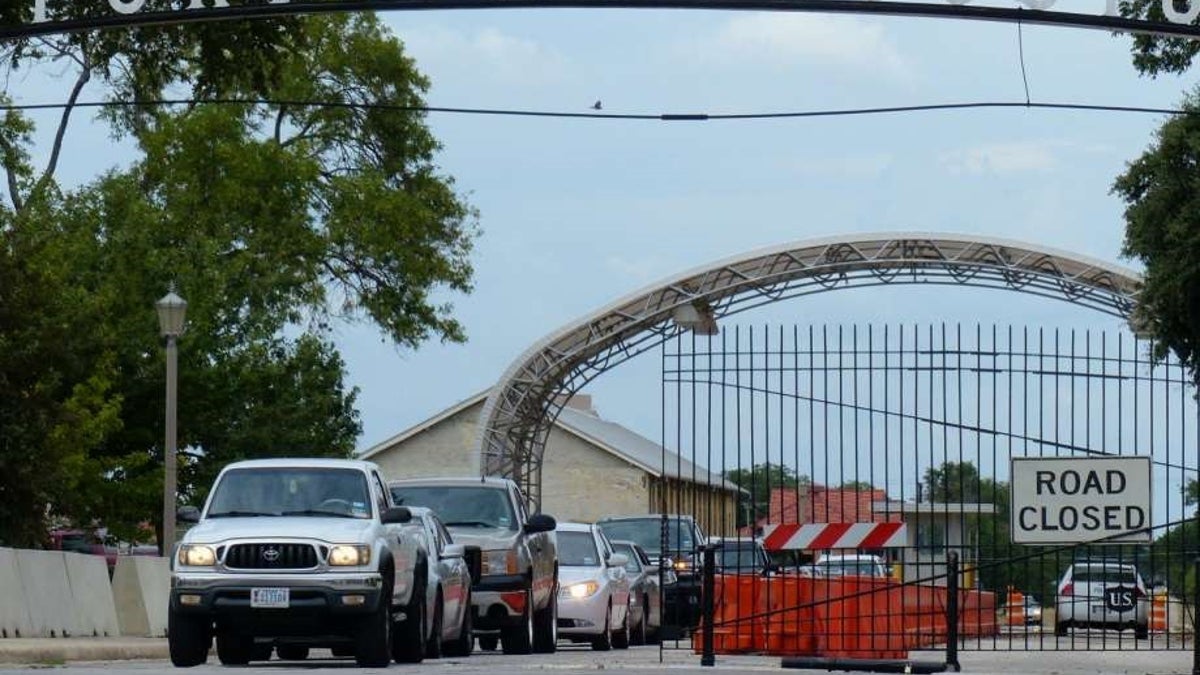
x=1154 y=55
x=759 y=482
x=275 y=221
x=1162 y=215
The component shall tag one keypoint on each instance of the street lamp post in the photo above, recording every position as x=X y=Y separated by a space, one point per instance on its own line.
x=171 y=310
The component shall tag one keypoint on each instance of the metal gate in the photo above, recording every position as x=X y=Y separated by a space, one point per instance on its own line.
x=887 y=451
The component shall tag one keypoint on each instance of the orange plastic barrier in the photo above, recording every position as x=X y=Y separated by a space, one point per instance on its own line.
x=1014 y=607
x=1158 y=610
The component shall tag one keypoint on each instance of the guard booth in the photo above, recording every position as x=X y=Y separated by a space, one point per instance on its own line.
x=934 y=529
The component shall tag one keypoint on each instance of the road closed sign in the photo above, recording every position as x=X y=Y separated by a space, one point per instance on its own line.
x=1059 y=500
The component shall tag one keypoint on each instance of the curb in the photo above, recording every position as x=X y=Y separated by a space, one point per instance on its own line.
x=55 y=651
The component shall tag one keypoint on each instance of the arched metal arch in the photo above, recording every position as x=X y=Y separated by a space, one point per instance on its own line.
x=523 y=405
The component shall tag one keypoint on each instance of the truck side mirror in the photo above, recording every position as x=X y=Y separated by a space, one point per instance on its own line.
x=540 y=522
x=397 y=515
x=188 y=514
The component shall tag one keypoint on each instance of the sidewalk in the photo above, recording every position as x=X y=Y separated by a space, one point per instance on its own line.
x=52 y=651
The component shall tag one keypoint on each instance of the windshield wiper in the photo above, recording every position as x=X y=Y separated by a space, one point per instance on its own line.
x=240 y=514
x=468 y=523
x=319 y=512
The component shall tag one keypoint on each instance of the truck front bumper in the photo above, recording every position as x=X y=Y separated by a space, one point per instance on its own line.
x=498 y=600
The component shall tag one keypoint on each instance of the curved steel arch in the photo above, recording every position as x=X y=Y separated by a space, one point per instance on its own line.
x=523 y=405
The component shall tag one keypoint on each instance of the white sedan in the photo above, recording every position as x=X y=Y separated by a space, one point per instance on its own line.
x=593 y=603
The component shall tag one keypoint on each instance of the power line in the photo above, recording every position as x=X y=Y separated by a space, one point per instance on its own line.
x=661 y=117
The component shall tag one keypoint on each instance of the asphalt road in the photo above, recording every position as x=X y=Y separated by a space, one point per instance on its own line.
x=646 y=660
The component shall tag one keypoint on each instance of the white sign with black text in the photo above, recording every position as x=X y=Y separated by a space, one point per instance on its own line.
x=1058 y=500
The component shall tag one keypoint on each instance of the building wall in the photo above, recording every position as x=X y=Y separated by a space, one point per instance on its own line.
x=445 y=449
x=715 y=509
x=584 y=483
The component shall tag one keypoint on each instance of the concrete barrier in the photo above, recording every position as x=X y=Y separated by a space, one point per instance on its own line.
x=14 y=607
x=141 y=590
x=48 y=593
x=91 y=595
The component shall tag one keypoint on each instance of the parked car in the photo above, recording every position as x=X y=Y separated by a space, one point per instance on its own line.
x=447 y=586
x=297 y=553
x=514 y=600
x=1033 y=611
x=645 y=596
x=845 y=565
x=593 y=604
x=1102 y=594
x=743 y=555
x=684 y=539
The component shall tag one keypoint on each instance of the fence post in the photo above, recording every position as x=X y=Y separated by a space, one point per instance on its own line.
x=952 y=611
x=707 y=606
x=1196 y=619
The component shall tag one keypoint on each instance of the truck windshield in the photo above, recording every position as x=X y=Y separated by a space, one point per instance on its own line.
x=647 y=533
x=461 y=506
x=743 y=557
x=287 y=491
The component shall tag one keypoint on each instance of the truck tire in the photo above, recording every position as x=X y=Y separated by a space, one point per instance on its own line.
x=488 y=643
x=373 y=641
x=1142 y=631
x=465 y=642
x=545 y=627
x=519 y=639
x=408 y=646
x=234 y=650
x=189 y=638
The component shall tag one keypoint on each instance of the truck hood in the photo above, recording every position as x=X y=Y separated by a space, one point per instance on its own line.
x=487 y=539
x=333 y=530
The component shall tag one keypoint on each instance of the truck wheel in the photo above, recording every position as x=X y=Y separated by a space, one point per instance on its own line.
x=1141 y=631
x=409 y=644
x=292 y=652
x=465 y=642
x=603 y=641
x=189 y=639
x=1060 y=628
x=519 y=639
x=621 y=637
x=234 y=650
x=261 y=651
x=433 y=646
x=545 y=627
x=373 y=642
x=488 y=643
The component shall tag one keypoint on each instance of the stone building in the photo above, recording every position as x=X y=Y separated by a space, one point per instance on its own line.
x=592 y=467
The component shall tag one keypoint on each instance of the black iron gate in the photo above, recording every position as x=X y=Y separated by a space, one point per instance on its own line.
x=915 y=426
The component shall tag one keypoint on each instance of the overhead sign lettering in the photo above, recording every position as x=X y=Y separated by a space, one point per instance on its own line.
x=1074 y=500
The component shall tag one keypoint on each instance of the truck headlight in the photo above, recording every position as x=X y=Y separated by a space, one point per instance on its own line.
x=345 y=555
x=579 y=591
x=499 y=562
x=197 y=556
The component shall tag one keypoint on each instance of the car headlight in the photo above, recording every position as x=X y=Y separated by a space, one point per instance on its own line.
x=682 y=565
x=344 y=555
x=580 y=591
x=499 y=562
x=197 y=556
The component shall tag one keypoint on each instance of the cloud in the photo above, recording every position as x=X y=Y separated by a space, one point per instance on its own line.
x=786 y=40
x=1001 y=158
x=487 y=55
x=845 y=166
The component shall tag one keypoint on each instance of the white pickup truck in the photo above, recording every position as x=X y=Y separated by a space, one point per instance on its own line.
x=297 y=553
x=515 y=598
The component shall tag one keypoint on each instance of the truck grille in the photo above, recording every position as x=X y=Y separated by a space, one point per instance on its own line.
x=271 y=556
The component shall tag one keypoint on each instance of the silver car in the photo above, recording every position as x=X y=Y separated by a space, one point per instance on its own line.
x=593 y=600
x=1102 y=594
x=645 y=597
x=447 y=586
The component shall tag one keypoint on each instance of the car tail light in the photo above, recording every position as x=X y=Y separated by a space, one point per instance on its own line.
x=1068 y=589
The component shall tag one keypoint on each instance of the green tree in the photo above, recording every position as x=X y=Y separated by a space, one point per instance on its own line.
x=1154 y=55
x=759 y=482
x=275 y=221
x=1162 y=217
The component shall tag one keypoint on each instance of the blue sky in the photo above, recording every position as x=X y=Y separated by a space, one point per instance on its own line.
x=576 y=213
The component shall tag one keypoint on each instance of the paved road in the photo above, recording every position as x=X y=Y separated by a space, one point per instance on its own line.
x=645 y=661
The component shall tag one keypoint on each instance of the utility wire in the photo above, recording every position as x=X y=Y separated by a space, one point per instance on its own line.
x=1021 y=55
x=663 y=117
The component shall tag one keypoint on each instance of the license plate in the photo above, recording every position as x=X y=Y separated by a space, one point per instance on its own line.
x=269 y=598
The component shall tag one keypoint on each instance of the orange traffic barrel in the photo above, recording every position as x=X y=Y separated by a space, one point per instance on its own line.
x=1158 y=610
x=1014 y=607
